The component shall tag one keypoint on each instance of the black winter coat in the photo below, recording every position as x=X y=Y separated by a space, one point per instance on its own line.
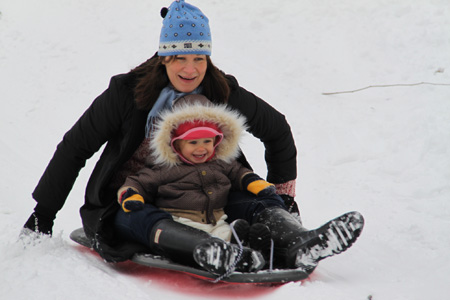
x=113 y=118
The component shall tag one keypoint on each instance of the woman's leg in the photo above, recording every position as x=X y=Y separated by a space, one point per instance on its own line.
x=247 y=206
x=295 y=246
x=243 y=205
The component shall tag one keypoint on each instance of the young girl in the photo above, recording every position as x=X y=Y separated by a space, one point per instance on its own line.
x=193 y=170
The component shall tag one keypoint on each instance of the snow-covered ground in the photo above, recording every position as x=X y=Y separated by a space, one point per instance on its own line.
x=384 y=151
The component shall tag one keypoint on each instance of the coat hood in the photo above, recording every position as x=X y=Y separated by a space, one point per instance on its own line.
x=188 y=109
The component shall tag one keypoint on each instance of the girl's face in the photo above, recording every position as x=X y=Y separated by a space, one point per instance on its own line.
x=196 y=151
x=186 y=72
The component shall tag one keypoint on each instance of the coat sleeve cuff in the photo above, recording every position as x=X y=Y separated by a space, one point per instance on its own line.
x=286 y=188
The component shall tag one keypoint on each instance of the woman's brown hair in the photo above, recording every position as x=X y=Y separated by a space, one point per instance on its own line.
x=152 y=78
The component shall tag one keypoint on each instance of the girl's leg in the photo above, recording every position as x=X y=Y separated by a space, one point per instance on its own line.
x=136 y=225
x=188 y=245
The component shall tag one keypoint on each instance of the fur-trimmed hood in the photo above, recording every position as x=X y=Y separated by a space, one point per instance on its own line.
x=197 y=107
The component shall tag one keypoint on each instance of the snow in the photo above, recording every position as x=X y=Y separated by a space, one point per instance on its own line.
x=383 y=151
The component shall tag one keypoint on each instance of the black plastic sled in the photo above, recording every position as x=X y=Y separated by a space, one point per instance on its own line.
x=154 y=261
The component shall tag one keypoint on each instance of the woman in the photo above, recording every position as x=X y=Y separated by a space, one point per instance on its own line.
x=123 y=117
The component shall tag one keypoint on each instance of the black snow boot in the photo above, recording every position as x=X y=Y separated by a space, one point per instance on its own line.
x=260 y=239
x=297 y=247
x=192 y=246
x=256 y=236
x=242 y=229
x=219 y=257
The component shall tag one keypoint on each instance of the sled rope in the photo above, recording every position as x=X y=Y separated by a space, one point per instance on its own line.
x=238 y=258
x=271 y=256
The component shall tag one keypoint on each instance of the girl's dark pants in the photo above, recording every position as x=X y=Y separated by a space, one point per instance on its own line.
x=137 y=225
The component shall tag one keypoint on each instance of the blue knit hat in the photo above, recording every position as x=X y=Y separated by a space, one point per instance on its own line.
x=185 y=30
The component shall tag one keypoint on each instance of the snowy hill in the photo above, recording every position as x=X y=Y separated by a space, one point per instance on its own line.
x=384 y=151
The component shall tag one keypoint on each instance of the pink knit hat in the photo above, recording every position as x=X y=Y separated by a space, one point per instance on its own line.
x=192 y=130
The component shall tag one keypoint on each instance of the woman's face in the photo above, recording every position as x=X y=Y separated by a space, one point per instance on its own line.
x=186 y=72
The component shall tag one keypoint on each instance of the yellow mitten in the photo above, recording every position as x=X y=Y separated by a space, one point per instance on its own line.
x=258 y=186
x=131 y=201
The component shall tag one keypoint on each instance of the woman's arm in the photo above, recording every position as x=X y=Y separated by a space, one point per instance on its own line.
x=97 y=125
